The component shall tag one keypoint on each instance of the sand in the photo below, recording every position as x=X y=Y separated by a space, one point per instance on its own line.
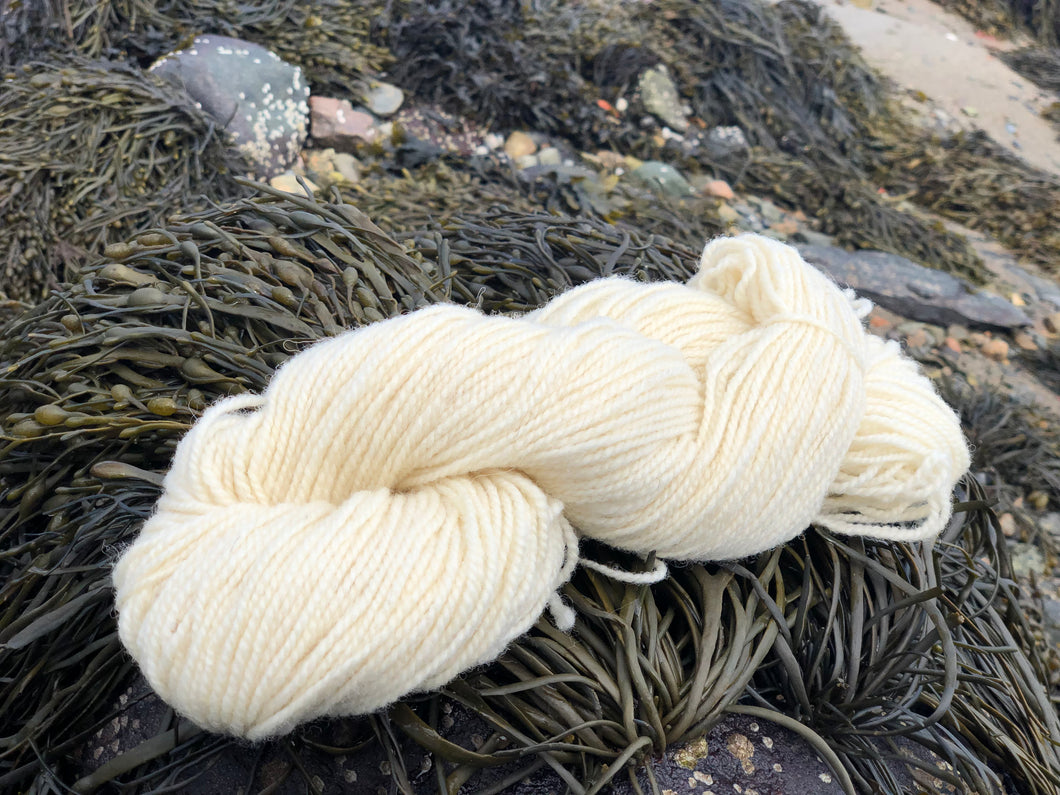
x=924 y=48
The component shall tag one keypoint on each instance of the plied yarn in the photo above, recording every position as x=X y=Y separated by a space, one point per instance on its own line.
x=404 y=500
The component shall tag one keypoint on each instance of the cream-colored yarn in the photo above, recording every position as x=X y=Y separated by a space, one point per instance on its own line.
x=397 y=506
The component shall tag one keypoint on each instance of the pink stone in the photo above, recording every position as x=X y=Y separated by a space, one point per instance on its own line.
x=334 y=123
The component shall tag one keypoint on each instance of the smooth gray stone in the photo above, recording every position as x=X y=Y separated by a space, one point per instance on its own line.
x=664 y=177
x=913 y=291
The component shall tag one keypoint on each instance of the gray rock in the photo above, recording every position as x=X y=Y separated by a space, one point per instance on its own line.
x=383 y=99
x=259 y=100
x=813 y=238
x=1027 y=559
x=1051 y=619
x=664 y=177
x=660 y=97
x=1050 y=523
x=721 y=142
x=913 y=291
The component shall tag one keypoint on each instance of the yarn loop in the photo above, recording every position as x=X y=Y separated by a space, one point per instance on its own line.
x=401 y=502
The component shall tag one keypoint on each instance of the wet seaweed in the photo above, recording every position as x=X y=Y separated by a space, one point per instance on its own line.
x=974 y=181
x=328 y=39
x=1040 y=18
x=90 y=152
x=1040 y=65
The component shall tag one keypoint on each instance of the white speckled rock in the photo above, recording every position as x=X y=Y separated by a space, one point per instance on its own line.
x=260 y=100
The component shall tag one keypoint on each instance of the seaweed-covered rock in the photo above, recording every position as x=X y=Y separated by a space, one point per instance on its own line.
x=260 y=100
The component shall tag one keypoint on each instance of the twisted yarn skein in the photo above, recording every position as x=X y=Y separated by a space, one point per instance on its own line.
x=399 y=504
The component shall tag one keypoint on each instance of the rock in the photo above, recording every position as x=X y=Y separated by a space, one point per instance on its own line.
x=527 y=161
x=519 y=144
x=722 y=142
x=1025 y=341
x=996 y=349
x=882 y=325
x=952 y=344
x=786 y=227
x=610 y=159
x=917 y=338
x=771 y=214
x=1052 y=323
x=1051 y=620
x=322 y=168
x=813 y=238
x=259 y=100
x=1027 y=560
x=288 y=181
x=334 y=123
x=347 y=166
x=664 y=177
x=1008 y=524
x=660 y=98
x=1039 y=500
x=727 y=214
x=1050 y=524
x=382 y=99
x=550 y=156
x=719 y=188
x=913 y=291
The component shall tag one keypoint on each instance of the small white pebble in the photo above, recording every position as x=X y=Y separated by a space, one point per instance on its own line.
x=768 y=743
x=827 y=779
x=777 y=768
x=754 y=727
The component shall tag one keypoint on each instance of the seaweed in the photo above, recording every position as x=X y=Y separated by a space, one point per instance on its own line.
x=1040 y=65
x=1040 y=18
x=91 y=151
x=329 y=39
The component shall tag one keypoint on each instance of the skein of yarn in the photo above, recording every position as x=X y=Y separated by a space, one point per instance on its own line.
x=401 y=502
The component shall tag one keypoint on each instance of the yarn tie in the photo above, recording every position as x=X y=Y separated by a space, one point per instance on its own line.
x=401 y=502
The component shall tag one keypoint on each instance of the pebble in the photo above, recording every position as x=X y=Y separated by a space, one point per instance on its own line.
x=1052 y=323
x=665 y=177
x=719 y=188
x=996 y=349
x=383 y=99
x=1025 y=341
x=1027 y=560
x=727 y=214
x=287 y=181
x=610 y=159
x=259 y=99
x=347 y=166
x=1008 y=524
x=1040 y=501
x=785 y=228
x=334 y=123
x=722 y=142
x=881 y=324
x=327 y=167
x=519 y=144
x=550 y=156
x=917 y=339
x=952 y=343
